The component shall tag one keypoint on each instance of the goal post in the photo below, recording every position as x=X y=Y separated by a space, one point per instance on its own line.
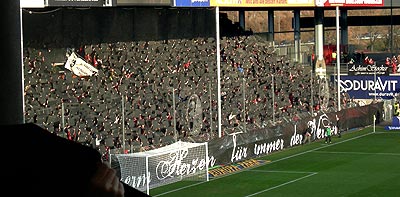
x=172 y=163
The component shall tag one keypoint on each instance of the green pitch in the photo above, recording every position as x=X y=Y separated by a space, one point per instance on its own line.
x=361 y=163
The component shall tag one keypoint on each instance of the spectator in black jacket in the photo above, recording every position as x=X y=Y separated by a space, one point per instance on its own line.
x=40 y=163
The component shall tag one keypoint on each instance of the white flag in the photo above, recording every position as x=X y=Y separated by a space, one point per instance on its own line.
x=79 y=66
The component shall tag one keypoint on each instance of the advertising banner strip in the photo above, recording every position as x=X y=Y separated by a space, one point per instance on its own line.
x=262 y=3
x=367 y=87
x=348 y=3
x=191 y=3
x=144 y=2
x=392 y=128
x=222 y=170
x=76 y=3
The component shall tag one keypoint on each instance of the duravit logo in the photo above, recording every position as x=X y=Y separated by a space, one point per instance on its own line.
x=368 y=85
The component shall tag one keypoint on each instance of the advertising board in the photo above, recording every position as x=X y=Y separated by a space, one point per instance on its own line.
x=262 y=3
x=191 y=3
x=370 y=86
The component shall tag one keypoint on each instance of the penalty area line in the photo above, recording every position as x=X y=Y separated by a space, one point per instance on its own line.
x=283 y=184
x=358 y=153
x=281 y=171
x=387 y=132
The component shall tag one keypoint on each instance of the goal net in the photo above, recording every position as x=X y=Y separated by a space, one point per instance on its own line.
x=176 y=162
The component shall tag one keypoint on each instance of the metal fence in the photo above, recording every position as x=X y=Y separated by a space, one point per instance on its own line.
x=149 y=94
x=122 y=119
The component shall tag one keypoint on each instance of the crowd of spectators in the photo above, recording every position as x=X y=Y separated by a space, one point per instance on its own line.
x=130 y=102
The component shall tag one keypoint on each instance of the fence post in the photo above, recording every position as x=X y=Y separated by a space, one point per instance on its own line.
x=123 y=122
x=174 y=110
x=273 y=99
x=374 y=122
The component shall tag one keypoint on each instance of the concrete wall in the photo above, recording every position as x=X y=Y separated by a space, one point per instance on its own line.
x=72 y=27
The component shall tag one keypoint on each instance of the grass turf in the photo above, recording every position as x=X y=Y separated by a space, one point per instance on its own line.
x=360 y=163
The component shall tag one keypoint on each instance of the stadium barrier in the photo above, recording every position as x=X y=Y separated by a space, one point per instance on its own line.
x=241 y=146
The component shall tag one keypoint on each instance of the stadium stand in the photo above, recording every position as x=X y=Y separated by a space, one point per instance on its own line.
x=129 y=105
x=145 y=75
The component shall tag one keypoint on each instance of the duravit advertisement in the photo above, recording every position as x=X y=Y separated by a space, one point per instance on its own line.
x=370 y=86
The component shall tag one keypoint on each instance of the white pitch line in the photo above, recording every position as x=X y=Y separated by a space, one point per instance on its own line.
x=358 y=153
x=388 y=132
x=282 y=171
x=291 y=156
x=283 y=184
x=319 y=148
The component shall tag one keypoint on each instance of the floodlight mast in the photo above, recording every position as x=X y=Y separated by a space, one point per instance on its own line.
x=338 y=56
x=218 y=70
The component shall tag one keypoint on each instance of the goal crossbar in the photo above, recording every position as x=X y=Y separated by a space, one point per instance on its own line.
x=176 y=162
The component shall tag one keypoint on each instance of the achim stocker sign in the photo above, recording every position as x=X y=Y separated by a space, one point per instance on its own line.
x=354 y=69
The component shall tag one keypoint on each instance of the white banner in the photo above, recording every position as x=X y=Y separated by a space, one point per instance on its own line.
x=79 y=66
x=32 y=3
